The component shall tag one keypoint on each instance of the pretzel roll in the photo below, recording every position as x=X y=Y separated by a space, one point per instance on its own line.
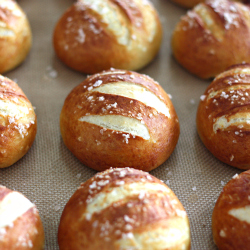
x=192 y=3
x=124 y=209
x=223 y=117
x=231 y=220
x=119 y=118
x=20 y=224
x=17 y=123
x=15 y=35
x=212 y=37
x=94 y=35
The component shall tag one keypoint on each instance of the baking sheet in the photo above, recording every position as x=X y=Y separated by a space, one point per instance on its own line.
x=49 y=174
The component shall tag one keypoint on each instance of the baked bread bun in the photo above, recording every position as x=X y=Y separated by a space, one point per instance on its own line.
x=17 y=123
x=230 y=220
x=212 y=37
x=94 y=35
x=20 y=224
x=119 y=118
x=15 y=35
x=223 y=117
x=192 y=3
x=124 y=209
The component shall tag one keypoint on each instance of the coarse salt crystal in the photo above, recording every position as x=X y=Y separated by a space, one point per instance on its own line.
x=57 y=208
x=149 y=177
x=127 y=219
x=97 y=83
x=120 y=183
x=203 y=97
x=117 y=232
x=122 y=173
x=141 y=195
x=103 y=183
x=235 y=176
x=81 y=36
x=93 y=185
x=128 y=227
x=53 y=74
x=128 y=235
x=95 y=223
x=231 y=157
x=222 y=233
x=88 y=216
x=129 y=205
x=126 y=137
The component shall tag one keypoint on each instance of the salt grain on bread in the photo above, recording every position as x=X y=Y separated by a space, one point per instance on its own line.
x=17 y=123
x=192 y=3
x=119 y=118
x=124 y=209
x=223 y=116
x=20 y=223
x=15 y=35
x=94 y=35
x=212 y=37
x=231 y=220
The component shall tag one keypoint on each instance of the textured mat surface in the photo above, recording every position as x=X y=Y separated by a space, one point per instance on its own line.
x=49 y=174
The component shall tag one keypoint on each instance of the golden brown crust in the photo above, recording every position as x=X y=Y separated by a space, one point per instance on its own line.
x=15 y=35
x=25 y=232
x=88 y=39
x=101 y=147
x=231 y=228
x=17 y=123
x=115 y=208
x=203 y=38
x=192 y=3
x=223 y=116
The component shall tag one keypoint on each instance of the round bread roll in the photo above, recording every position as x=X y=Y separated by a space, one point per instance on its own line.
x=223 y=117
x=192 y=3
x=94 y=35
x=119 y=118
x=15 y=35
x=124 y=209
x=231 y=220
x=20 y=224
x=212 y=37
x=17 y=123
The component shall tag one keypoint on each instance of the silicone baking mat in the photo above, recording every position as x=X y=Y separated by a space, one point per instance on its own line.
x=49 y=174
